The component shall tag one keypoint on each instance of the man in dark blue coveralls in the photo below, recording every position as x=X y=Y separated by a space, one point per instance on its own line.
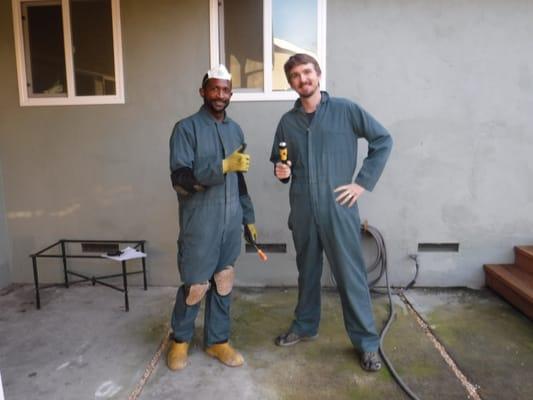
x=321 y=134
x=207 y=163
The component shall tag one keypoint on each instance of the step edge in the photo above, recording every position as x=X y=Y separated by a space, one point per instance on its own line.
x=520 y=287
x=512 y=297
x=525 y=250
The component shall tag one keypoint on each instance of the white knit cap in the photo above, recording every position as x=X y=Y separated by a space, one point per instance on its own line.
x=219 y=72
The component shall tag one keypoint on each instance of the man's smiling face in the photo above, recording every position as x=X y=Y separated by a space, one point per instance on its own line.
x=304 y=79
x=217 y=94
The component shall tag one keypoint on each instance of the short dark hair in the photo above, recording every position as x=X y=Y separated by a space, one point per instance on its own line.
x=204 y=80
x=299 y=59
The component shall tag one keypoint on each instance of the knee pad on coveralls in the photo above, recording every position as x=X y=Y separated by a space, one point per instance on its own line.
x=224 y=280
x=195 y=293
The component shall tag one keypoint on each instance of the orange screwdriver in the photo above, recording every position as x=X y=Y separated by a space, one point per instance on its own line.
x=262 y=256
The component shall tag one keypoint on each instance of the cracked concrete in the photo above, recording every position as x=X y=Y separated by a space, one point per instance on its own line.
x=82 y=345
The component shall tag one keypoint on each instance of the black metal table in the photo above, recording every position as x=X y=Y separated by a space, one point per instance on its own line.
x=94 y=244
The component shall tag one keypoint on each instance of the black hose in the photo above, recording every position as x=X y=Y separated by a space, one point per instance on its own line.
x=382 y=259
x=381 y=263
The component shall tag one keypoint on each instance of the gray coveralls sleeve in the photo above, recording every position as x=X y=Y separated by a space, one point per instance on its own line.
x=379 y=147
x=207 y=169
x=210 y=221
x=323 y=153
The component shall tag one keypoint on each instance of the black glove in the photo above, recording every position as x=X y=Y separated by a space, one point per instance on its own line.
x=184 y=182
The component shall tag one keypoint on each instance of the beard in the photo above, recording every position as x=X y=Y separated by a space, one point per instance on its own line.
x=212 y=104
x=307 y=90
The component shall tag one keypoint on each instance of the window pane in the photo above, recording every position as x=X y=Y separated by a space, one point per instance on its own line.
x=241 y=45
x=45 y=52
x=92 y=42
x=294 y=30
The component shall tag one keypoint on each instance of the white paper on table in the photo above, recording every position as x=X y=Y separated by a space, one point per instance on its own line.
x=127 y=254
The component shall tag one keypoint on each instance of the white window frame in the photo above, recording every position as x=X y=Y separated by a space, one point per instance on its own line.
x=71 y=98
x=268 y=94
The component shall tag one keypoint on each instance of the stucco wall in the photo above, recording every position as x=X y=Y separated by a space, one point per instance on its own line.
x=452 y=81
x=5 y=267
x=102 y=171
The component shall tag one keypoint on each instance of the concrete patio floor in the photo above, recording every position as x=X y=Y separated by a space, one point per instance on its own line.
x=82 y=345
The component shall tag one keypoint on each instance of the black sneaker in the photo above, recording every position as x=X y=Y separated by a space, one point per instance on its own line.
x=290 y=338
x=370 y=361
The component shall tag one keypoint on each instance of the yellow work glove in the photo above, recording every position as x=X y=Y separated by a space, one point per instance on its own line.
x=250 y=233
x=236 y=162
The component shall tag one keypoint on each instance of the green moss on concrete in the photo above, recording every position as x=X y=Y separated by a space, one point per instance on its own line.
x=490 y=341
x=154 y=330
x=328 y=368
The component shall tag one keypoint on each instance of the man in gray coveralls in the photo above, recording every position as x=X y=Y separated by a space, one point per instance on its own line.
x=321 y=134
x=207 y=163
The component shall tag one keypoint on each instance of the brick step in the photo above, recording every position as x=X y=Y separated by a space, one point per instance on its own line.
x=524 y=258
x=512 y=283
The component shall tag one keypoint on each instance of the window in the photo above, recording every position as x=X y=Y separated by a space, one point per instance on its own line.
x=68 y=52
x=254 y=38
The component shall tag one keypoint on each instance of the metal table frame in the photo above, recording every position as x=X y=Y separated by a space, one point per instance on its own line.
x=136 y=244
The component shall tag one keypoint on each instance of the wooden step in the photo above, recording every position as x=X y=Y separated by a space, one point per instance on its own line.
x=512 y=283
x=524 y=258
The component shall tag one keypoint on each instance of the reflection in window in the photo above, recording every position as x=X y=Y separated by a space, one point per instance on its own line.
x=92 y=41
x=45 y=55
x=254 y=38
x=293 y=31
x=241 y=36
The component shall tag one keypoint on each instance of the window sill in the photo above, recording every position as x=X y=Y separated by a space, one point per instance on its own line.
x=276 y=96
x=76 y=101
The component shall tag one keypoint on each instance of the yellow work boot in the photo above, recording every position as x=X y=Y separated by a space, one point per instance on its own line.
x=177 y=355
x=226 y=354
